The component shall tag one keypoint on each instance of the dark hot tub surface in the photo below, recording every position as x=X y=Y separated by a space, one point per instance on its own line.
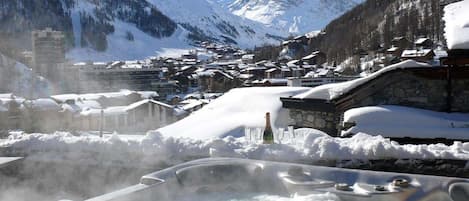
x=242 y=179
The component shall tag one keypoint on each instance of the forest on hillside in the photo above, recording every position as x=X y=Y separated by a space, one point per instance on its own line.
x=371 y=26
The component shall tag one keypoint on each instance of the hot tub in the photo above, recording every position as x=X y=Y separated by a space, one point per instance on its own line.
x=242 y=179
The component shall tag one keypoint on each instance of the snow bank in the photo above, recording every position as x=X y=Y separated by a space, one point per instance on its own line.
x=155 y=149
x=331 y=91
x=230 y=113
x=457 y=25
x=397 y=121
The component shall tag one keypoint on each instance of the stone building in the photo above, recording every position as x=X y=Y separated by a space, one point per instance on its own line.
x=48 y=53
x=442 y=89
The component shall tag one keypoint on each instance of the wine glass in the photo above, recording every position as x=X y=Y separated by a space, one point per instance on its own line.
x=280 y=135
x=291 y=133
x=248 y=135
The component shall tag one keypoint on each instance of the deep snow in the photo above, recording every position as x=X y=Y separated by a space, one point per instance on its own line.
x=398 y=121
x=230 y=113
x=456 y=20
x=155 y=149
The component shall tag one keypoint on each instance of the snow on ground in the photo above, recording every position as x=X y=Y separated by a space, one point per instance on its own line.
x=398 y=121
x=155 y=149
x=230 y=113
x=331 y=91
x=457 y=25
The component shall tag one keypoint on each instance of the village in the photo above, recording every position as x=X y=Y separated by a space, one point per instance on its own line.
x=142 y=95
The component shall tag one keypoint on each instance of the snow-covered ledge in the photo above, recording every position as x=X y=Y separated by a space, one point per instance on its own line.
x=457 y=25
x=456 y=30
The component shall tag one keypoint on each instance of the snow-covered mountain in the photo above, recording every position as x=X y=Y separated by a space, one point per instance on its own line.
x=188 y=22
x=135 y=29
x=129 y=29
x=294 y=16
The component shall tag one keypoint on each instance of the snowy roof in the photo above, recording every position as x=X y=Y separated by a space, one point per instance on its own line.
x=309 y=57
x=293 y=62
x=44 y=104
x=96 y=96
x=132 y=66
x=271 y=70
x=213 y=72
x=7 y=96
x=319 y=72
x=457 y=25
x=421 y=40
x=65 y=97
x=191 y=103
x=148 y=94
x=416 y=53
x=117 y=110
x=392 y=49
x=110 y=111
x=142 y=102
x=398 y=121
x=88 y=104
x=71 y=108
x=312 y=34
x=245 y=76
x=248 y=56
x=272 y=81
x=255 y=68
x=332 y=91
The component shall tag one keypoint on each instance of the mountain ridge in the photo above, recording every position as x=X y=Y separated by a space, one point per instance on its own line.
x=133 y=29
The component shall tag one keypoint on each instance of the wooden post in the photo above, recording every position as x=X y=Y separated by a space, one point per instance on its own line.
x=449 y=89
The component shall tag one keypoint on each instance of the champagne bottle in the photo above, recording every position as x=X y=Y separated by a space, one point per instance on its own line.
x=268 y=135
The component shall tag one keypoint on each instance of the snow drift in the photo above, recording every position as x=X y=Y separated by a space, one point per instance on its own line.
x=156 y=150
x=398 y=121
x=457 y=25
x=229 y=114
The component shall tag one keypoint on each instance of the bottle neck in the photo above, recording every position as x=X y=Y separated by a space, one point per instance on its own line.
x=267 y=121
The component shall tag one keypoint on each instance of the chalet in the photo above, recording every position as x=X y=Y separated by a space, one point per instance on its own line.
x=316 y=81
x=270 y=82
x=216 y=81
x=315 y=58
x=395 y=51
x=107 y=99
x=408 y=83
x=423 y=43
x=192 y=105
x=423 y=55
x=273 y=73
x=401 y=42
x=258 y=72
x=248 y=58
x=139 y=116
